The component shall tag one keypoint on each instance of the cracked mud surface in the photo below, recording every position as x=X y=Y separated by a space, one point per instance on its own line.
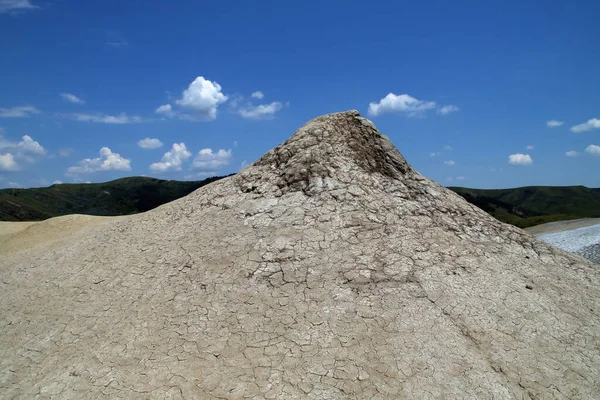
x=329 y=269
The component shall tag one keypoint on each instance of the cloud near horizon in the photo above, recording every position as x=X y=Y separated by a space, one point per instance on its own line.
x=172 y=160
x=108 y=161
x=520 y=159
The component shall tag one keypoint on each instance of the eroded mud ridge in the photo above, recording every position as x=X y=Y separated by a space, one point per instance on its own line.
x=329 y=269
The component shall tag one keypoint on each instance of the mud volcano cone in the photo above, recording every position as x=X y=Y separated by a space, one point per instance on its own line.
x=328 y=269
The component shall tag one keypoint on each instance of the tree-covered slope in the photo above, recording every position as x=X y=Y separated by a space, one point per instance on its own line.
x=118 y=197
x=533 y=205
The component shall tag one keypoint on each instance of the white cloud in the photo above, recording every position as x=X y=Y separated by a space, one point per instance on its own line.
x=29 y=145
x=122 y=118
x=15 y=6
x=593 y=149
x=65 y=152
x=149 y=143
x=449 y=162
x=206 y=159
x=72 y=98
x=27 y=151
x=258 y=95
x=18 y=112
x=530 y=147
x=400 y=104
x=14 y=185
x=593 y=123
x=235 y=143
x=554 y=123
x=447 y=147
x=173 y=159
x=243 y=164
x=262 y=111
x=520 y=159
x=434 y=154
x=571 y=153
x=8 y=163
x=166 y=110
x=203 y=97
x=57 y=182
x=445 y=110
x=108 y=161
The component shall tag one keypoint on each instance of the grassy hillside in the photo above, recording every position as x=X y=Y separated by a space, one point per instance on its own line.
x=118 y=197
x=534 y=205
x=523 y=207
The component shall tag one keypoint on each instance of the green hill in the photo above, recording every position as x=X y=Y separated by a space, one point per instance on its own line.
x=118 y=197
x=523 y=207
x=534 y=205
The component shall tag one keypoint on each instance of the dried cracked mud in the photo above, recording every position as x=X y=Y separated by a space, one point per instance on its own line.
x=328 y=269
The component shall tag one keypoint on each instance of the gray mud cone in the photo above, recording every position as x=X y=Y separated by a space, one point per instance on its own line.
x=328 y=269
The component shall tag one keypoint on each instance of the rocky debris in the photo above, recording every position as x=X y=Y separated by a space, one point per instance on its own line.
x=328 y=269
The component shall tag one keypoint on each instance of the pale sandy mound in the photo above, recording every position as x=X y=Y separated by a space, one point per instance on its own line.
x=17 y=236
x=328 y=269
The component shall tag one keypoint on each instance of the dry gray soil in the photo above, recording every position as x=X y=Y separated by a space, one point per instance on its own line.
x=328 y=269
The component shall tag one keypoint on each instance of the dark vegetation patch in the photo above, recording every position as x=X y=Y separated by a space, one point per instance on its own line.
x=119 y=197
x=534 y=205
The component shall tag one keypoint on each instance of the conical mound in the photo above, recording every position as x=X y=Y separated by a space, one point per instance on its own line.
x=328 y=269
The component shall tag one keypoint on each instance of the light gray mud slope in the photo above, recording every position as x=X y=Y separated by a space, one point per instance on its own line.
x=328 y=269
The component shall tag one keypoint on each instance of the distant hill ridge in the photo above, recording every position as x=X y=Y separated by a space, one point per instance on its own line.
x=523 y=207
x=119 y=197
x=534 y=205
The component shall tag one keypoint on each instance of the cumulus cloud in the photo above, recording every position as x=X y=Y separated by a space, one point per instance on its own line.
x=258 y=95
x=207 y=159
x=202 y=97
x=553 y=123
x=401 y=104
x=65 y=152
x=57 y=182
x=16 y=6
x=122 y=118
x=149 y=143
x=165 y=110
x=14 y=185
x=530 y=147
x=445 y=110
x=434 y=154
x=173 y=159
x=571 y=153
x=449 y=162
x=16 y=155
x=72 y=98
x=28 y=145
x=593 y=150
x=447 y=148
x=262 y=111
x=108 y=161
x=8 y=162
x=18 y=112
x=593 y=123
x=520 y=159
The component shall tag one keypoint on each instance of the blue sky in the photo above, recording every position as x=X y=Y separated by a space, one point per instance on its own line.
x=478 y=94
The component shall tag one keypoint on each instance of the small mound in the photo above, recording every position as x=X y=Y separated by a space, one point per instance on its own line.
x=328 y=269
